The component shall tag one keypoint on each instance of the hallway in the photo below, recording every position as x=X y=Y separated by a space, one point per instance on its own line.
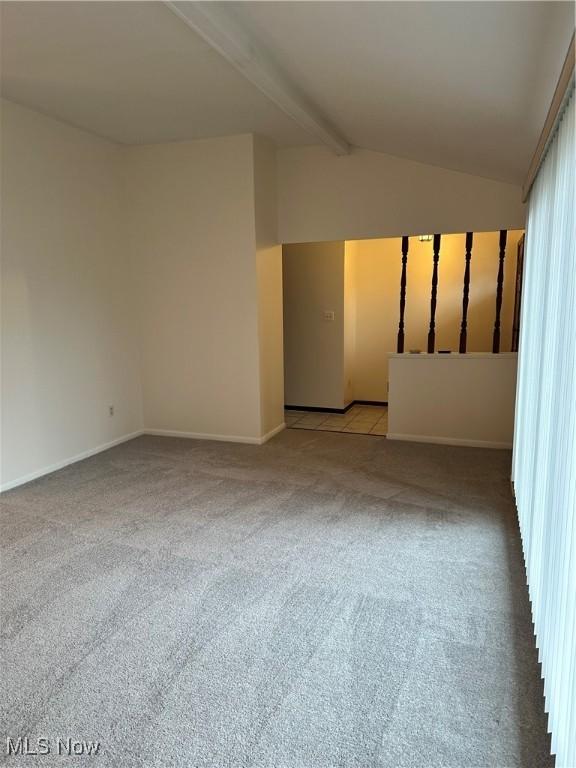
x=360 y=419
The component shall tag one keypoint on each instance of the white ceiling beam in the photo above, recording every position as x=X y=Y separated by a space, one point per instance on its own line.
x=219 y=29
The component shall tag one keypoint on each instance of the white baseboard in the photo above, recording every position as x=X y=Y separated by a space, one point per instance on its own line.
x=270 y=435
x=203 y=436
x=210 y=436
x=160 y=432
x=66 y=462
x=448 y=441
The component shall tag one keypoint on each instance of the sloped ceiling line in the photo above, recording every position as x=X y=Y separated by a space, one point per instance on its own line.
x=221 y=31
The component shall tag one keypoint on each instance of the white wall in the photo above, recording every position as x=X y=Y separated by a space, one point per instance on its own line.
x=269 y=277
x=370 y=194
x=313 y=277
x=191 y=218
x=455 y=399
x=377 y=270
x=69 y=347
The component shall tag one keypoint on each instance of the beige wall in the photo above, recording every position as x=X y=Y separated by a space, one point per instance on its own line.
x=313 y=277
x=350 y=297
x=69 y=334
x=144 y=278
x=454 y=399
x=191 y=218
x=377 y=266
x=149 y=278
x=269 y=277
x=370 y=194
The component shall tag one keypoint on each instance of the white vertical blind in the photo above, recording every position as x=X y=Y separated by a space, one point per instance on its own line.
x=544 y=469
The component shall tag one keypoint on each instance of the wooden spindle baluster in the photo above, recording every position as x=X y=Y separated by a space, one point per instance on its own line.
x=465 y=294
x=499 y=286
x=400 y=344
x=518 y=296
x=433 y=293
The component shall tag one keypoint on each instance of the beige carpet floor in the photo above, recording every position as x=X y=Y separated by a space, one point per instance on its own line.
x=323 y=601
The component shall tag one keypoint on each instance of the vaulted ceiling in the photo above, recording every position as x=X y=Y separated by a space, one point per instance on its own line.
x=464 y=85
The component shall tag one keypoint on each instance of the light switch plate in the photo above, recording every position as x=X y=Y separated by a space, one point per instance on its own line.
x=328 y=316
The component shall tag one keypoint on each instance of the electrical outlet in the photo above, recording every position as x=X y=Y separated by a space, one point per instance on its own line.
x=328 y=316
x=111 y=410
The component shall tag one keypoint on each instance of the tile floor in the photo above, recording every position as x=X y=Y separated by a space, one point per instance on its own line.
x=361 y=419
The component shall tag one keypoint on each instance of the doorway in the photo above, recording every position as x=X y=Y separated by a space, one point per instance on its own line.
x=358 y=419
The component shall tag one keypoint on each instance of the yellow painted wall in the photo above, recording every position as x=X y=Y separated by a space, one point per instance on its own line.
x=349 y=325
x=377 y=270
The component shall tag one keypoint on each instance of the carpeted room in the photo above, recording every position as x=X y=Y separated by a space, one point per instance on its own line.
x=185 y=579
x=323 y=600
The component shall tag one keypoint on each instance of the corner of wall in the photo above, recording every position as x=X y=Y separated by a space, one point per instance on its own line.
x=268 y=255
